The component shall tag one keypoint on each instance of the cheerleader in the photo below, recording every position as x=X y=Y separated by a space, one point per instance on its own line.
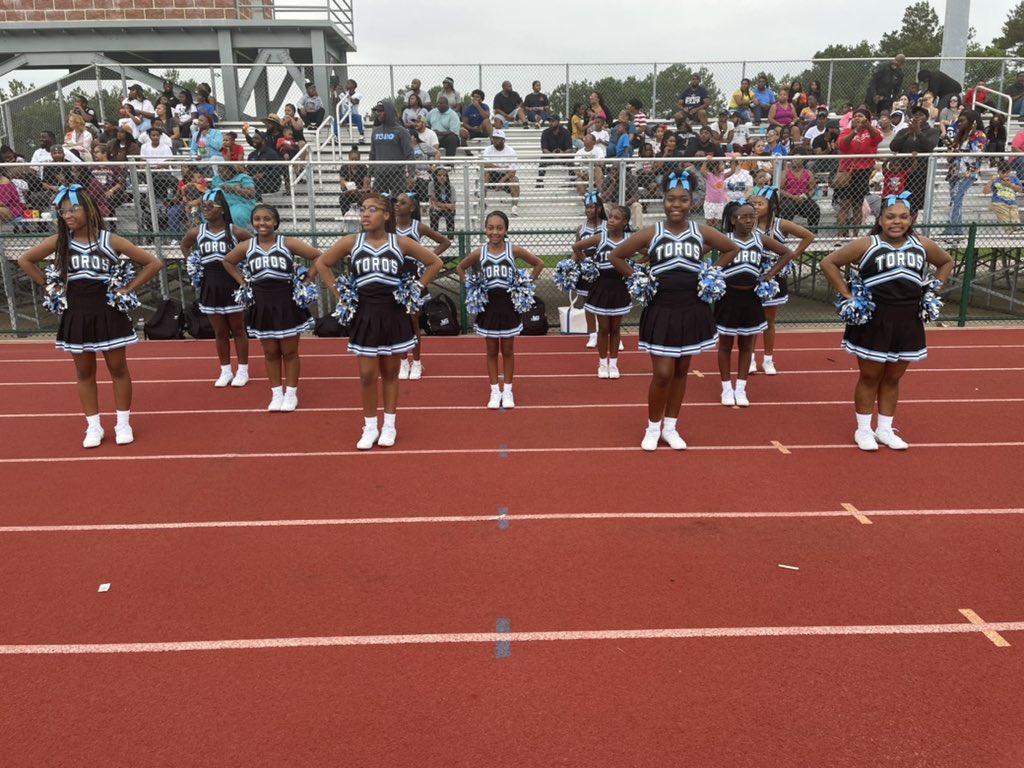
x=740 y=312
x=609 y=298
x=382 y=331
x=676 y=324
x=213 y=240
x=408 y=224
x=274 y=318
x=86 y=254
x=893 y=264
x=770 y=226
x=597 y=221
x=499 y=323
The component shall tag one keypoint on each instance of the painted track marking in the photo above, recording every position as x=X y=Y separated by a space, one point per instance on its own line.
x=861 y=517
x=997 y=640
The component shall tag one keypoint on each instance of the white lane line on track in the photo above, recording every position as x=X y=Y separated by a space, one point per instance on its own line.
x=343 y=355
x=468 y=451
x=477 y=377
x=994 y=637
x=477 y=407
x=453 y=519
x=876 y=630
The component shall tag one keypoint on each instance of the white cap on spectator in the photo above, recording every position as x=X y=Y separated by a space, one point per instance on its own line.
x=497 y=134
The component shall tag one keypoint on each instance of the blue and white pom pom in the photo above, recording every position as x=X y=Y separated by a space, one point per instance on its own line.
x=766 y=290
x=243 y=293
x=56 y=300
x=303 y=294
x=521 y=290
x=476 y=293
x=348 y=299
x=194 y=267
x=710 y=283
x=858 y=309
x=642 y=285
x=589 y=271
x=122 y=274
x=931 y=304
x=567 y=274
x=410 y=294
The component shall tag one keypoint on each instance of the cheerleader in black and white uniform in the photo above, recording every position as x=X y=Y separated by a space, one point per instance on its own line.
x=740 y=312
x=85 y=255
x=381 y=332
x=676 y=324
x=597 y=221
x=408 y=224
x=765 y=200
x=499 y=323
x=274 y=318
x=609 y=298
x=893 y=263
x=213 y=240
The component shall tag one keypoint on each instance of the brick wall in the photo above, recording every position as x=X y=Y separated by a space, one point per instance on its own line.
x=62 y=11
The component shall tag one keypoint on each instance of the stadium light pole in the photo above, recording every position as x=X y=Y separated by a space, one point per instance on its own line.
x=954 y=39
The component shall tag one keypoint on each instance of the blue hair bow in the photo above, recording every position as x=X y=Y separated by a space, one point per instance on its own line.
x=740 y=201
x=590 y=198
x=210 y=196
x=902 y=197
x=766 y=192
x=678 y=180
x=411 y=193
x=70 y=192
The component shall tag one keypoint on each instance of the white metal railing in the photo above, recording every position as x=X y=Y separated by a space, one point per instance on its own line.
x=1009 y=101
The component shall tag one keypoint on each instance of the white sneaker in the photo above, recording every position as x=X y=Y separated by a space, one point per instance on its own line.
x=123 y=435
x=865 y=440
x=602 y=369
x=613 y=370
x=370 y=435
x=674 y=439
x=728 y=398
x=387 y=436
x=495 y=402
x=650 y=441
x=753 y=365
x=276 y=402
x=93 y=437
x=890 y=439
x=515 y=210
x=290 y=402
x=416 y=370
x=592 y=341
x=403 y=370
x=224 y=379
x=769 y=367
x=507 y=401
x=241 y=379
x=741 y=399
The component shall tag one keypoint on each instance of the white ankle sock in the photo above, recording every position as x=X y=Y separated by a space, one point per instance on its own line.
x=277 y=391
x=370 y=421
x=508 y=388
x=741 y=385
x=292 y=391
x=668 y=425
x=122 y=418
x=495 y=389
x=92 y=421
x=389 y=419
x=768 y=358
x=726 y=386
x=603 y=361
x=242 y=368
x=653 y=426
x=884 y=423
x=864 y=421
x=225 y=368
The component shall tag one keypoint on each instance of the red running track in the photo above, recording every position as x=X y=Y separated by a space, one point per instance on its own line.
x=917 y=685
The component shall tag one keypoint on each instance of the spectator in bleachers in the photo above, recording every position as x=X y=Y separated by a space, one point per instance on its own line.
x=354 y=178
x=647 y=171
x=913 y=94
x=207 y=141
x=476 y=117
x=764 y=98
x=723 y=131
x=738 y=181
x=809 y=112
x=454 y=98
x=714 y=196
x=500 y=164
x=416 y=90
x=940 y=84
x=578 y=124
x=948 y=117
x=427 y=136
x=156 y=153
x=82 y=174
x=1016 y=94
x=885 y=127
x=772 y=146
x=184 y=113
x=796 y=193
x=442 y=201
x=861 y=138
x=1004 y=189
x=597 y=109
x=292 y=120
x=588 y=159
x=423 y=155
x=123 y=146
x=791 y=139
x=239 y=190
x=620 y=140
x=814 y=89
x=740 y=133
x=797 y=97
x=108 y=132
x=886 y=84
x=389 y=141
x=976 y=98
x=78 y=137
x=56 y=174
x=268 y=178
x=963 y=169
x=11 y=206
x=927 y=102
x=898 y=121
x=445 y=123
x=508 y=104
x=635 y=107
x=995 y=134
x=168 y=126
x=128 y=119
x=535 y=106
x=413 y=111
x=311 y=107
x=554 y=140
x=349 y=100
x=782 y=112
x=704 y=145
x=602 y=137
x=205 y=105
x=286 y=146
x=109 y=178
x=230 y=149
x=183 y=212
x=80 y=106
x=694 y=102
x=143 y=108
x=742 y=101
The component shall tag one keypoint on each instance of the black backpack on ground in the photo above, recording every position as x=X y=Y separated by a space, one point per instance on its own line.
x=197 y=324
x=440 y=317
x=535 y=322
x=329 y=326
x=167 y=322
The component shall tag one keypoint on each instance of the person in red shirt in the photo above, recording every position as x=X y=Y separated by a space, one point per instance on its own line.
x=861 y=138
x=975 y=98
x=231 y=150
